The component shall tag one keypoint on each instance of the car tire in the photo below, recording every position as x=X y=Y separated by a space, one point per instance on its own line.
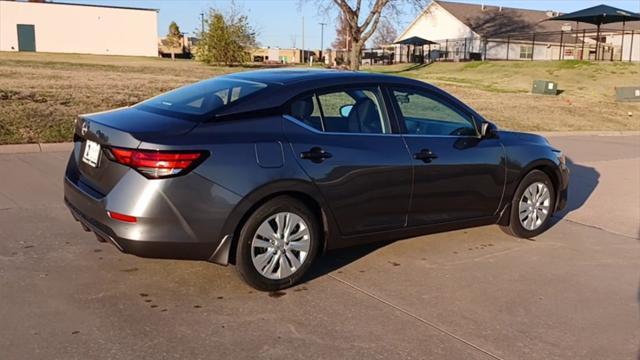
x=523 y=220
x=281 y=257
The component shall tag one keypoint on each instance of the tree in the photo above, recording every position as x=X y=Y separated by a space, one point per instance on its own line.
x=359 y=32
x=342 y=34
x=174 y=38
x=385 y=34
x=227 y=38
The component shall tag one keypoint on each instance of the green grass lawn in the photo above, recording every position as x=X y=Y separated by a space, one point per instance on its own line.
x=41 y=94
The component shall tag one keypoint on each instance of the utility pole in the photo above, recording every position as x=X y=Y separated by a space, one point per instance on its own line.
x=202 y=23
x=322 y=39
x=302 y=58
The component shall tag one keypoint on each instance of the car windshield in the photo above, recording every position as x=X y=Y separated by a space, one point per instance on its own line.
x=203 y=97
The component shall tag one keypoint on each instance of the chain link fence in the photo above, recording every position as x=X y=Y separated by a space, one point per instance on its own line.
x=587 y=45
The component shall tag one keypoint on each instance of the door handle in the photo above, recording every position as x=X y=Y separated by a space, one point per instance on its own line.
x=316 y=155
x=425 y=155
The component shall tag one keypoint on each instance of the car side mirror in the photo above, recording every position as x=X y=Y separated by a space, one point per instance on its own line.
x=345 y=110
x=488 y=130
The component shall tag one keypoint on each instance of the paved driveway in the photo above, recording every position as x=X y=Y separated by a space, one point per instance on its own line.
x=469 y=294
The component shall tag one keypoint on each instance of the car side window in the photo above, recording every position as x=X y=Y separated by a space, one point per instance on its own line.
x=427 y=115
x=306 y=110
x=344 y=111
x=357 y=111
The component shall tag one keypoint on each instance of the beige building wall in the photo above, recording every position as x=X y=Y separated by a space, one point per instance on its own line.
x=81 y=29
x=276 y=55
x=436 y=23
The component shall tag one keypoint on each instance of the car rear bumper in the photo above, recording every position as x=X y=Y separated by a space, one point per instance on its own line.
x=92 y=215
x=166 y=228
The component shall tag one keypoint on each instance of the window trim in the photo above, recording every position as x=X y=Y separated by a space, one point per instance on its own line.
x=389 y=88
x=528 y=54
x=322 y=125
x=382 y=102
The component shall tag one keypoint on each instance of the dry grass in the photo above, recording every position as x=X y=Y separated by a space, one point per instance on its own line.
x=41 y=94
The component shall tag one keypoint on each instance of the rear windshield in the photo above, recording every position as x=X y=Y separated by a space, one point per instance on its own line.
x=203 y=97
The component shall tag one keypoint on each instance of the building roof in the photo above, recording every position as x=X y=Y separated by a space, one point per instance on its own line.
x=498 y=21
x=88 y=5
x=415 y=40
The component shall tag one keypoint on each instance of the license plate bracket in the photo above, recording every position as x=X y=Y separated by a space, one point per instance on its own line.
x=91 y=155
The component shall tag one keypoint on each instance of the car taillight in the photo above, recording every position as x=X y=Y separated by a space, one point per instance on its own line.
x=122 y=217
x=158 y=164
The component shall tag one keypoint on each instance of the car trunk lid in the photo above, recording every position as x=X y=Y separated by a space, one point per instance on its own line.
x=121 y=128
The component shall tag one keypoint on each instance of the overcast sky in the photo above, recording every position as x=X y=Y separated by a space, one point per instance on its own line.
x=279 y=22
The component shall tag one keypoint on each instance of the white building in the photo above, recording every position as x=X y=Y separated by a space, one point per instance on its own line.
x=73 y=28
x=476 y=31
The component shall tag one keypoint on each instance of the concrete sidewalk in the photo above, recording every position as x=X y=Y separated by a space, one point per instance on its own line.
x=470 y=294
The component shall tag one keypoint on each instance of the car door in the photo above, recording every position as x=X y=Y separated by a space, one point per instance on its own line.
x=345 y=142
x=457 y=174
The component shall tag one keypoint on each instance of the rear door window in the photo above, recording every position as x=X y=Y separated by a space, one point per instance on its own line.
x=307 y=110
x=356 y=110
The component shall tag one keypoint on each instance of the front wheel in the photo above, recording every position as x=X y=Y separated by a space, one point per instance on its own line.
x=532 y=206
x=277 y=244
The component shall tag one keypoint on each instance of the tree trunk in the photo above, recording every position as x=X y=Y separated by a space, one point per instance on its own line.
x=173 y=55
x=355 y=56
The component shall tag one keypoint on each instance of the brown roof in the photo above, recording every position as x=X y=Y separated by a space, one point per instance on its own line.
x=498 y=22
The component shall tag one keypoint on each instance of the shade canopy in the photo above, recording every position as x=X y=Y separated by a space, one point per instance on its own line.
x=599 y=15
x=416 y=41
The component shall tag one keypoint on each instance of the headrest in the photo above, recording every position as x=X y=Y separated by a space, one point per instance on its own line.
x=302 y=109
x=364 y=117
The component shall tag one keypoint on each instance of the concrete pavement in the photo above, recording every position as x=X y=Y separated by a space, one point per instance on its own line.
x=468 y=294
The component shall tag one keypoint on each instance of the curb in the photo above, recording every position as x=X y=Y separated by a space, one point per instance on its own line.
x=36 y=148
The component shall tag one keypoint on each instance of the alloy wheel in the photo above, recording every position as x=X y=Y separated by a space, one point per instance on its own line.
x=280 y=245
x=534 y=206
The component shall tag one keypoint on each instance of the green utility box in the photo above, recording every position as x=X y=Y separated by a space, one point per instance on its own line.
x=628 y=93
x=545 y=87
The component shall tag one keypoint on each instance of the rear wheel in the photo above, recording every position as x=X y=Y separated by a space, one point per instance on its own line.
x=277 y=244
x=532 y=206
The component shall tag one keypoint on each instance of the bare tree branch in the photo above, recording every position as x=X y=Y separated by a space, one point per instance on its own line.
x=359 y=33
x=375 y=12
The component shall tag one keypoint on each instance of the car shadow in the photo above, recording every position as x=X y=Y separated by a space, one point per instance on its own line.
x=336 y=259
x=583 y=181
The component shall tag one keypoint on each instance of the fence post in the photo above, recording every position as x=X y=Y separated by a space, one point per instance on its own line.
x=584 y=33
x=465 y=49
x=575 y=45
x=622 y=42
x=508 y=46
x=611 y=54
x=446 y=49
x=484 y=50
x=560 y=55
x=533 y=45
x=598 y=55
x=631 y=47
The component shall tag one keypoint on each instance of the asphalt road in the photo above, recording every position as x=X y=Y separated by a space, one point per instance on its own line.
x=469 y=294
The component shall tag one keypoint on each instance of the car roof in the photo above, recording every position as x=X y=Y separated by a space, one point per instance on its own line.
x=284 y=83
x=287 y=76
